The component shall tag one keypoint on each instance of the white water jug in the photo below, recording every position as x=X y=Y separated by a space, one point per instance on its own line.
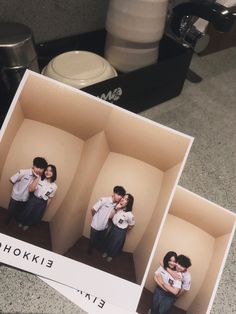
x=134 y=29
x=141 y=21
x=126 y=56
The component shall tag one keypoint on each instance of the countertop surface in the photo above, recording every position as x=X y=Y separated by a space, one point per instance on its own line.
x=204 y=110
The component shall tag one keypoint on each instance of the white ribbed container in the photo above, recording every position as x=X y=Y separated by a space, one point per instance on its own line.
x=140 y=21
x=134 y=29
x=127 y=56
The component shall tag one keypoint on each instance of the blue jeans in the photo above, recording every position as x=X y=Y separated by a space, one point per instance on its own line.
x=115 y=240
x=162 y=301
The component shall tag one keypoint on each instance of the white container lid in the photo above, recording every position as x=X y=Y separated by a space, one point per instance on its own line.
x=79 y=68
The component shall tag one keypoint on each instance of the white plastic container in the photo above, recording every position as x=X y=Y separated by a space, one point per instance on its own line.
x=79 y=68
x=126 y=56
x=141 y=21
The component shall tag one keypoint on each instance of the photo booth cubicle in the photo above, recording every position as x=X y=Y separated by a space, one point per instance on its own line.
x=95 y=146
x=203 y=231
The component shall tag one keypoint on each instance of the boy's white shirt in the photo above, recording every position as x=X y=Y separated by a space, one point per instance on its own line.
x=21 y=181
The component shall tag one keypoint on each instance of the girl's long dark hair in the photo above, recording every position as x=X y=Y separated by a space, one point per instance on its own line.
x=54 y=173
x=130 y=203
x=167 y=257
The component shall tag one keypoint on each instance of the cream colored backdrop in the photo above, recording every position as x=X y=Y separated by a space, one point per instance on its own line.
x=140 y=179
x=200 y=303
x=13 y=125
x=68 y=224
x=39 y=139
x=145 y=246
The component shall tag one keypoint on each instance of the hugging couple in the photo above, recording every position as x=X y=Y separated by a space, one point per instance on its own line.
x=172 y=278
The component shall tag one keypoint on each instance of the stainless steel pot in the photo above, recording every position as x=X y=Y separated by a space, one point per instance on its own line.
x=17 y=52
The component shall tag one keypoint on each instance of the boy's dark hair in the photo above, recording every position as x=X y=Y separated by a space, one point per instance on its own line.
x=130 y=203
x=119 y=190
x=40 y=162
x=54 y=173
x=167 y=257
x=184 y=261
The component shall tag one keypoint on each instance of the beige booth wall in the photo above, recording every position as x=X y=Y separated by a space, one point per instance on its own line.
x=38 y=139
x=9 y=133
x=140 y=179
x=67 y=226
x=145 y=245
x=183 y=238
x=202 y=299
x=63 y=107
x=200 y=212
x=146 y=140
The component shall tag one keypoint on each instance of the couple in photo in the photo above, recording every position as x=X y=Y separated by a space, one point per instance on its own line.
x=32 y=191
x=112 y=217
x=172 y=279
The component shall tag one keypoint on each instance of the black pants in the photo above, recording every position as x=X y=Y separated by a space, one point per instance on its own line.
x=33 y=212
x=15 y=209
x=97 y=239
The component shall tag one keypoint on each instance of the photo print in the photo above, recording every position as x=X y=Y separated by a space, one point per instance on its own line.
x=195 y=230
x=95 y=147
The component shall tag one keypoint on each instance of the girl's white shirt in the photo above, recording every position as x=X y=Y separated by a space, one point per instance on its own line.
x=45 y=189
x=123 y=219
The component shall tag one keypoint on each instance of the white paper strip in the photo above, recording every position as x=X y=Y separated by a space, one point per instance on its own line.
x=69 y=272
x=86 y=301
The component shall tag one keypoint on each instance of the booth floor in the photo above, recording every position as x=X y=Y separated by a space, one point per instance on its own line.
x=204 y=110
x=39 y=235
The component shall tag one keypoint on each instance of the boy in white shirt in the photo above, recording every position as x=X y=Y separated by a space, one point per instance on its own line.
x=101 y=212
x=20 y=191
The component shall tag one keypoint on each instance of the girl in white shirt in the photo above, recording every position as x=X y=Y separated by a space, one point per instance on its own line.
x=167 y=287
x=122 y=221
x=44 y=189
